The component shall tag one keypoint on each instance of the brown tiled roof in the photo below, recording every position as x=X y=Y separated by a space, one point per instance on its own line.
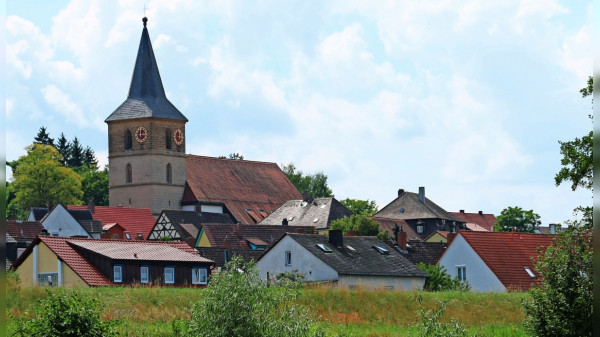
x=238 y=236
x=507 y=254
x=486 y=221
x=407 y=206
x=389 y=224
x=140 y=250
x=304 y=213
x=426 y=252
x=239 y=184
x=133 y=220
x=70 y=256
x=217 y=254
x=23 y=230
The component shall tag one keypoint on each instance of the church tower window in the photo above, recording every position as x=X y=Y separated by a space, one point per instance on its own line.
x=128 y=140
x=168 y=139
x=169 y=174
x=128 y=174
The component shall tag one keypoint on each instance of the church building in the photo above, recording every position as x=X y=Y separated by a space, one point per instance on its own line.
x=149 y=167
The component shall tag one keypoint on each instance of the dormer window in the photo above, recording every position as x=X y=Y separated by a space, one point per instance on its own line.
x=420 y=229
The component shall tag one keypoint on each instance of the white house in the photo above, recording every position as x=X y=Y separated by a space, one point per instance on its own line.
x=347 y=262
x=494 y=261
x=59 y=222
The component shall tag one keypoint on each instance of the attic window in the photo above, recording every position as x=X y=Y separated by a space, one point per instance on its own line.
x=127 y=236
x=248 y=210
x=291 y=218
x=323 y=206
x=316 y=219
x=530 y=273
x=324 y=248
x=401 y=210
x=381 y=250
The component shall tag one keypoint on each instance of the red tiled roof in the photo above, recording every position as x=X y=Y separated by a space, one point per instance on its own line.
x=486 y=221
x=239 y=184
x=25 y=230
x=133 y=220
x=111 y=225
x=507 y=254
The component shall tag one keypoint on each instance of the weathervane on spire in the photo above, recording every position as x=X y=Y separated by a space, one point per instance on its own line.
x=145 y=19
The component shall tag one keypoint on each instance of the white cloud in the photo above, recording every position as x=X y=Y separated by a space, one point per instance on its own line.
x=78 y=27
x=10 y=104
x=162 y=39
x=577 y=50
x=62 y=103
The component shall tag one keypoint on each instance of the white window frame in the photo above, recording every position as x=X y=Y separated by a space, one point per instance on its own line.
x=118 y=267
x=147 y=273
x=199 y=275
x=420 y=229
x=288 y=258
x=170 y=280
x=461 y=273
x=20 y=251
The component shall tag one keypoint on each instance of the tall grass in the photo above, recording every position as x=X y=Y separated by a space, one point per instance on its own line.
x=151 y=311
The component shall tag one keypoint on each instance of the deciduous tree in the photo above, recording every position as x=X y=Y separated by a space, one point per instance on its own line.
x=358 y=223
x=362 y=207
x=517 y=219
x=315 y=185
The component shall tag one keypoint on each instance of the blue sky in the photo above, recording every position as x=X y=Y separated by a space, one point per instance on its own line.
x=467 y=98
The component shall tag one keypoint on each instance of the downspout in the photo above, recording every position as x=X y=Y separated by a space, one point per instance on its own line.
x=60 y=272
x=35 y=265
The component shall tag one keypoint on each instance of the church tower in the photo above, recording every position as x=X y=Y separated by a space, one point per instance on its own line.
x=146 y=141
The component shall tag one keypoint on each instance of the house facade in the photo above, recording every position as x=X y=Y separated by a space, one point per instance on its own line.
x=59 y=222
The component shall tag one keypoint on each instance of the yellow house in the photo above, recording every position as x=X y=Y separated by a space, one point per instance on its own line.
x=438 y=236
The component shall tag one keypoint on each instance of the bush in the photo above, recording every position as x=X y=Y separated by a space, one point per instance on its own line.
x=238 y=303
x=440 y=280
x=65 y=313
x=561 y=305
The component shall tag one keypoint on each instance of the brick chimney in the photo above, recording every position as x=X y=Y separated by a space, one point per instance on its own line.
x=450 y=238
x=400 y=192
x=284 y=222
x=480 y=212
x=422 y=194
x=336 y=238
x=305 y=197
x=92 y=207
x=402 y=240
x=351 y=233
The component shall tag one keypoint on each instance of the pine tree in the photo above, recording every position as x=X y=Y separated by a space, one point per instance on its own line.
x=89 y=158
x=43 y=137
x=64 y=147
x=75 y=154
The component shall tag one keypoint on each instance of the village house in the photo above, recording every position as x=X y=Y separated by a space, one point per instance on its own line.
x=185 y=225
x=136 y=222
x=478 y=222
x=494 y=261
x=345 y=262
x=60 y=261
x=59 y=221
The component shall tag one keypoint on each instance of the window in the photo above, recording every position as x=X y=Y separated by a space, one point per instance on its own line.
x=288 y=258
x=115 y=236
x=461 y=273
x=381 y=250
x=199 y=275
x=145 y=274
x=168 y=139
x=118 y=273
x=128 y=174
x=48 y=279
x=420 y=229
x=128 y=140
x=170 y=275
x=127 y=236
x=324 y=248
x=20 y=251
x=169 y=174
x=529 y=272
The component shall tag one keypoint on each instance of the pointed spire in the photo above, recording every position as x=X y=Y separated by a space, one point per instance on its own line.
x=146 y=96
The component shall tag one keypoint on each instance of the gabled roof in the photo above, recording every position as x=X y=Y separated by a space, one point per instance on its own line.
x=443 y=234
x=507 y=254
x=389 y=225
x=189 y=223
x=363 y=260
x=217 y=254
x=108 y=226
x=92 y=226
x=133 y=220
x=318 y=213
x=238 y=236
x=245 y=187
x=481 y=221
x=23 y=230
x=407 y=206
x=38 y=212
x=426 y=252
x=69 y=255
x=146 y=96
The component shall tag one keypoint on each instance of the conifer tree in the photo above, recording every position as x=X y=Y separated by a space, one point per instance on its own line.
x=43 y=137
x=63 y=146
x=75 y=154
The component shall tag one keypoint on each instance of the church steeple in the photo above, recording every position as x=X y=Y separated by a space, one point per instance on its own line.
x=146 y=96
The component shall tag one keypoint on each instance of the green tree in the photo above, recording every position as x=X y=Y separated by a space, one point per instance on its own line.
x=75 y=154
x=64 y=148
x=94 y=184
x=66 y=313
x=315 y=185
x=12 y=210
x=235 y=155
x=40 y=179
x=360 y=224
x=43 y=137
x=516 y=218
x=561 y=305
x=357 y=206
x=440 y=280
x=89 y=158
x=238 y=303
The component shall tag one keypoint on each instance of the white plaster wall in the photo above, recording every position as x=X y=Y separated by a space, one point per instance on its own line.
x=313 y=269
x=61 y=222
x=479 y=275
x=211 y=208
x=381 y=282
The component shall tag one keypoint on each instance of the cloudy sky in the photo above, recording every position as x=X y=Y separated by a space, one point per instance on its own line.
x=465 y=97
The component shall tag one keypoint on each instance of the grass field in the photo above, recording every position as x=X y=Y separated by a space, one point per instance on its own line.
x=152 y=311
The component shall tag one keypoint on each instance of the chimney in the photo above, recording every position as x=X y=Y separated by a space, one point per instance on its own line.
x=462 y=210
x=284 y=222
x=480 y=212
x=450 y=238
x=44 y=232
x=226 y=243
x=552 y=229
x=400 y=192
x=238 y=230
x=336 y=238
x=422 y=194
x=305 y=197
x=92 y=207
x=351 y=233
x=402 y=240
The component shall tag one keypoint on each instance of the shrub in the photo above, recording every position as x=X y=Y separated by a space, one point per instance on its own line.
x=65 y=313
x=561 y=305
x=440 y=280
x=238 y=303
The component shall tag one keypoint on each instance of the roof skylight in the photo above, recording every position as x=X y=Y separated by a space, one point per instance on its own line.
x=351 y=248
x=381 y=250
x=324 y=248
x=316 y=219
x=530 y=273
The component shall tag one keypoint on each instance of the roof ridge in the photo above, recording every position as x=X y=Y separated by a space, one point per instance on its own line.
x=193 y=156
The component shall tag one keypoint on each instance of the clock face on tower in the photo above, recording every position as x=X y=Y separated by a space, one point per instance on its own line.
x=178 y=137
x=141 y=134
